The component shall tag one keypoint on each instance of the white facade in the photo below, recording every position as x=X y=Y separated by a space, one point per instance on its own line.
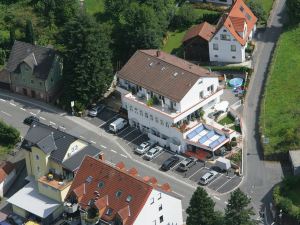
x=223 y=47
x=160 y=209
x=7 y=182
x=225 y=2
x=159 y=120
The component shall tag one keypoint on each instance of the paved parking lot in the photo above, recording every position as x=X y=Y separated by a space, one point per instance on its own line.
x=131 y=136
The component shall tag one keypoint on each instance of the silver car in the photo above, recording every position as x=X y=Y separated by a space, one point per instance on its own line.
x=143 y=148
x=95 y=110
x=153 y=152
x=187 y=163
x=208 y=177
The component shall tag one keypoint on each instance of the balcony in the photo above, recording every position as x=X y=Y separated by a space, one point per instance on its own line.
x=55 y=181
x=70 y=207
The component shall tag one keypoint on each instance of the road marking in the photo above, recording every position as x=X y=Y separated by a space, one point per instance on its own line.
x=124 y=130
x=135 y=139
x=107 y=121
x=217 y=198
x=113 y=151
x=12 y=104
x=52 y=123
x=103 y=146
x=82 y=137
x=125 y=156
x=2 y=100
x=225 y=183
x=23 y=109
x=178 y=194
x=42 y=118
x=32 y=113
x=226 y=203
x=5 y=113
x=215 y=180
x=196 y=172
x=158 y=155
x=93 y=142
x=129 y=133
x=176 y=164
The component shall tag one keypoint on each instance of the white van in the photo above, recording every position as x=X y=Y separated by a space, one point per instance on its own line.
x=117 y=125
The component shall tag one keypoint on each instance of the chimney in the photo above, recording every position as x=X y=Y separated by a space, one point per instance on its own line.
x=158 y=53
x=166 y=187
x=101 y=156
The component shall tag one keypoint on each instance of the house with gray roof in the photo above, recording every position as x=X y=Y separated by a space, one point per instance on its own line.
x=35 y=71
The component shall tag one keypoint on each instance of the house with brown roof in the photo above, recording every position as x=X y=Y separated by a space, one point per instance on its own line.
x=7 y=176
x=233 y=32
x=104 y=194
x=195 y=42
x=165 y=95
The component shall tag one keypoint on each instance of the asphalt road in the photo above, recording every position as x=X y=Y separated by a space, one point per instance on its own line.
x=260 y=175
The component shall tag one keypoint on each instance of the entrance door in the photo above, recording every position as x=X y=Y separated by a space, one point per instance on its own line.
x=32 y=93
x=24 y=91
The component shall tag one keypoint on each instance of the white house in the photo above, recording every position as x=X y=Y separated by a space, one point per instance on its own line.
x=106 y=194
x=7 y=177
x=224 y=2
x=233 y=32
x=178 y=90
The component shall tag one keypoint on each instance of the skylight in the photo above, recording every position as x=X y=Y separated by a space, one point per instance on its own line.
x=129 y=198
x=118 y=193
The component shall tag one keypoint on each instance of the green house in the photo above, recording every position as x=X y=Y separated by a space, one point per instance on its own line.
x=35 y=71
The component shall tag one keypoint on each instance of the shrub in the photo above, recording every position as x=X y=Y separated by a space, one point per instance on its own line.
x=150 y=102
x=210 y=6
x=185 y=17
x=258 y=10
x=211 y=18
x=231 y=68
x=155 y=100
x=79 y=107
x=9 y=136
x=233 y=143
x=233 y=139
x=294 y=10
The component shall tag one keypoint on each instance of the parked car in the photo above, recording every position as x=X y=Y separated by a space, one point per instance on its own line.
x=153 y=152
x=208 y=177
x=95 y=110
x=15 y=219
x=170 y=162
x=29 y=120
x=117 y=125
x=143 y=148
x=187 y=163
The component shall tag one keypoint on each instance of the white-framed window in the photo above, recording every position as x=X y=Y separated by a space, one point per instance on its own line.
x=159 y=196
x=167 y=125
x=215 y=46
x=225 y=37
x=233 y=48
x=37 y=157
x=200 y=81
x=130 y=108
x=210 y=88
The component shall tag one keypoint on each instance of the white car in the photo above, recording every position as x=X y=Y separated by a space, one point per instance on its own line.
x=143 y=148
x=95 y=110
x=208 y=177
x=153 y=152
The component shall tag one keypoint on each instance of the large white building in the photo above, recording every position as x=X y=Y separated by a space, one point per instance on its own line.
x=113 y=195
x=233 y=31
x=179 y=91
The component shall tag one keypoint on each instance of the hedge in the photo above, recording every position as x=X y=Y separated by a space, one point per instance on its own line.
x=230 y=68
x=9 y=135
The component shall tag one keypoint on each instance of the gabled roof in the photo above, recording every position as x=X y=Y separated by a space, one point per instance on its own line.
x=47 y=144
x=234 y=21
x=38 y=58
x=203 y=30
x=104 y=181
x=162 y=73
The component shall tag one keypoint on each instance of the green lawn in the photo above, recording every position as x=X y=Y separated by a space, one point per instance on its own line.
x=227 y=120
x=201 y=12
x=280 y=114
x=94 y=6
x=3 y=152
x=267 y=5
x=174 y=41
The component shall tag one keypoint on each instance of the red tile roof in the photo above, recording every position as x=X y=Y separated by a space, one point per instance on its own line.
x=5 y=169
x=234 y=21
x=113 y=180
x=203 y=30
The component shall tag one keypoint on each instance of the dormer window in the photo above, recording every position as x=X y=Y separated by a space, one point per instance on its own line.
x=242 y=9
x=129 y=198
x=109 y=211
x=118 y=193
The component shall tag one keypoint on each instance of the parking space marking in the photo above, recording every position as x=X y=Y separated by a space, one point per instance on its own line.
x=12 y=104
x=135 y=138
x=103 y=146
x=32 y=113
x=215 y=179
x=93 y=142
x=158 y=155
x=23 y=109
x=129 y=133
x=42 y=118
x=176 y=164
x=225 y=183
x=178 y=194
x=125 y=156
x=124 y=130
x=217 y=198
x=196 y=172
x=5 y=113
x=52 y=123
x=108 y=120
x=113 y=151
x=2 y=100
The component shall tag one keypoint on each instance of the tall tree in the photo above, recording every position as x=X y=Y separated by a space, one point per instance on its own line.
x=12 y=36
x=114 y=8
x=256 y=7
x=201 y=209
x=294 y=10
x=87 y=59
x=238 y=211
x=29 y=34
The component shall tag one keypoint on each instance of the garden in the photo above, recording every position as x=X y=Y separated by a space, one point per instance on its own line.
x=9 y=137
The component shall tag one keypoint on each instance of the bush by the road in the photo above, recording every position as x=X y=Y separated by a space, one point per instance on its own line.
x=9 y=135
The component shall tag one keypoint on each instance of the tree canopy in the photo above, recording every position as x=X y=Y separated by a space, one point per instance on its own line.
x=9 y=135
x=294 y=10
x=87 y=59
